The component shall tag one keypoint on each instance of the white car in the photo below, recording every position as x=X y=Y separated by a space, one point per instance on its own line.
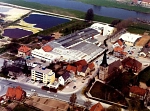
x=33 y=90
x=48 y=92
x=55 y=95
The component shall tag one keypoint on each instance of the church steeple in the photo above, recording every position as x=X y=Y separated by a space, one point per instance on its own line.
x=104 y=62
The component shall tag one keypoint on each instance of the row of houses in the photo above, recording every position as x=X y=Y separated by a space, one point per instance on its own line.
x=61 y=74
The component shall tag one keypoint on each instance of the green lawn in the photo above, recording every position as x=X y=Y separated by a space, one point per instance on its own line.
x=113 y=3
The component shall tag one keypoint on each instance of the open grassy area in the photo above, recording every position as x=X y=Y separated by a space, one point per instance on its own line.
x=139 y=28
x=113 y=3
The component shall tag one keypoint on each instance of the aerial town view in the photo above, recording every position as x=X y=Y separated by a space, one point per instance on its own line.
x=74 y=55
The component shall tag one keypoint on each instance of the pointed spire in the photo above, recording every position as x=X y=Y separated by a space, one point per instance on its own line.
x=104 y=62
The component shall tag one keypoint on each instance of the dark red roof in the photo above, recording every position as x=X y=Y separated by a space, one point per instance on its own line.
x=71 y=68
x=91 y=65
x=81 y=62
x=137 y=90
x=130 y=62
x=97 y=107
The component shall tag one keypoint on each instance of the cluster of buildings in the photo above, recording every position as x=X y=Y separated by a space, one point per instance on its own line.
x=142 y=2
x=74 y=55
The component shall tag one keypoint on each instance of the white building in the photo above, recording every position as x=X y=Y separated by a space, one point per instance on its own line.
x=130 y=38
x=104 y=29
x=45 y=56
x=40 y=73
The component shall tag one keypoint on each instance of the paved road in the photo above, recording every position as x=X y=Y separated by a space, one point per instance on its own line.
x=8 y=83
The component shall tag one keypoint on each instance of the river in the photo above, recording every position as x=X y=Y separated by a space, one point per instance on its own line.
x=98 y=10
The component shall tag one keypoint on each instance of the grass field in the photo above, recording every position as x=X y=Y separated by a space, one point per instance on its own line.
x=113 y=3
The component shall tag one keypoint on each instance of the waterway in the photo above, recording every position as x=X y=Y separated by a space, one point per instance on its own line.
x=16 y=33
x=44 y=21
x=99 y=10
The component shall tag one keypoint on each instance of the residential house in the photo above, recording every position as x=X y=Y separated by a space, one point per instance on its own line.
x=24 y=51
x=15 y=93
x=145 y=52
x=130 y=63
x=43 y=74
x=119 y=52
x=108 y=71
x=97 y=107
x=145 y=2
x=91 y=66
x=65 y=78
x=118 y=43
x=136 y=91
x=71 y=68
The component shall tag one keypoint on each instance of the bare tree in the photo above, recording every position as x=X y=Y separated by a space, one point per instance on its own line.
x=73 y=99
x=87 y=104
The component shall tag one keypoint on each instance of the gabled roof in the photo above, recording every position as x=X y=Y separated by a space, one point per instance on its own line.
x=137 y=90
x=91 y=65
x=131 y=62
x=47 y=48
x=148 y=1
x=71 y=68
x=24 y=49
x=79 y=68
x=84 y=68
x=81 y=62
x=97 y=107
x=120 y=42
x=114 y=65
x=66 y=75
x=15 y=92
x=118 y=49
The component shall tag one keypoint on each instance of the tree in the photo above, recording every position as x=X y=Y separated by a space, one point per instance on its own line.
x=73 y=99
x=114 y=108
x=4 y=68
x=124 y=24
x=89 y=15
x=87 y=104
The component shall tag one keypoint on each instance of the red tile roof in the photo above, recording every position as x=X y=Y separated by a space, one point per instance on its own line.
x=118 y=49
x=135 y=1
x=71 y=68
x=79 y=68
x=91 y=65
x=47 y=48
x=137 y=90
x=120 y=42
x=24 y=49
x=16 y=93
x=148 y=1
x=81 y=62
x=97 y=107
x=132 y=63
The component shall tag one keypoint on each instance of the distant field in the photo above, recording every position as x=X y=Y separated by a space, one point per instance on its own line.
x=143 y=40
x=114 y=3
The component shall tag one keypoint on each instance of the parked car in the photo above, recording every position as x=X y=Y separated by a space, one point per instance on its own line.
x=33 y=90
x=48 y=92
x=45 y=88
x=55 y=95
x=74 y=87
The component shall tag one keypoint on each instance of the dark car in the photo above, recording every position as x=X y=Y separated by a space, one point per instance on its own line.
x=45 y=88
x=74 y=87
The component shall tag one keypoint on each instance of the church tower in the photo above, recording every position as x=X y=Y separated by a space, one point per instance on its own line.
x=103 y=72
